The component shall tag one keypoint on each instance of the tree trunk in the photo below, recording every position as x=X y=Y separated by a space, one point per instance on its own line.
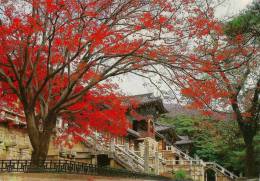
x=39 y=139
x=40 y=152
x=250 y=160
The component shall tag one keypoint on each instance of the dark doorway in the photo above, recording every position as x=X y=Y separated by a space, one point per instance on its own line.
x=103 y=160
x=210 y=175
x=177 y=158
x=136 y=145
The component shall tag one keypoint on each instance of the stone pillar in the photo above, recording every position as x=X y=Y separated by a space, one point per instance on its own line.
x=157 y=166
x=95 y=142
x=202 y=170
x=126 y=146
x=146 y=156
x=112 y=163
x=94 y=160
x=112 y=145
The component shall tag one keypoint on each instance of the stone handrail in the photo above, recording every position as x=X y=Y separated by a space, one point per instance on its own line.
x=130 y=157
x=221 y=169
x=184 y=162
x=181 y=153
x=191 y=160
x=130 y=152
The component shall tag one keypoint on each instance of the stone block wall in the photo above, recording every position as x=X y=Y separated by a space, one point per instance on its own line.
x=14 y=144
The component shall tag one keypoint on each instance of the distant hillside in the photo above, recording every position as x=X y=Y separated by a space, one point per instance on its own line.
x=179 y=110
x=176 y=110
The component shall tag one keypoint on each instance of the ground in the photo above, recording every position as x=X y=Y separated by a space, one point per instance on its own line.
x=57 y=177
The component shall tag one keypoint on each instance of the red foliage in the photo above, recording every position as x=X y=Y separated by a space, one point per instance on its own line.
x=57 y=55
x=220 y=71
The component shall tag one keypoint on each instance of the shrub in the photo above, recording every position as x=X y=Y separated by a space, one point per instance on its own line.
x=181 y=175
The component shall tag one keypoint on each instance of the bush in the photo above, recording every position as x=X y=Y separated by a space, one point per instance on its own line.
x=181 y=175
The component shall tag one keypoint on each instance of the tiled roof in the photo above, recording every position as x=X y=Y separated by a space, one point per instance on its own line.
x=133 y=133
x=148 y=99
x=183 y=137
x=183 y=140
x=162 y=127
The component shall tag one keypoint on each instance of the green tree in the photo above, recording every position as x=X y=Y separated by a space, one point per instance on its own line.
x=247 y=25
x=214 y=140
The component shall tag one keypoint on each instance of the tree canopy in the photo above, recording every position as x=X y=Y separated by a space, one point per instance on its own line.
x=235 y=87
x=57 y=57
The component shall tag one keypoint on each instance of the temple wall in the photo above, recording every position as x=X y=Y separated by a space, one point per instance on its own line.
x=15 y=144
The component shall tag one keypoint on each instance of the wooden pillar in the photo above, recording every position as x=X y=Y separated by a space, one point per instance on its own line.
x=148 y=127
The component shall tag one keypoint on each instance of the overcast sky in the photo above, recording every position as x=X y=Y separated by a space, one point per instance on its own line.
x=133 y=85
x=232 y=7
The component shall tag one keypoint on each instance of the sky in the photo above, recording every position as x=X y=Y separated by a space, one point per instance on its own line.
x=133 y=85
x=232 y=7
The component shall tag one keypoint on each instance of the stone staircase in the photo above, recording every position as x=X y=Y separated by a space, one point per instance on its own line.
x=189 y=161
x=218 y=168
x=131 y=161
x=119 y=153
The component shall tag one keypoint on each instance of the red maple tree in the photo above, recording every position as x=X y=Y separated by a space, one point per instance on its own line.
x=57 y=55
